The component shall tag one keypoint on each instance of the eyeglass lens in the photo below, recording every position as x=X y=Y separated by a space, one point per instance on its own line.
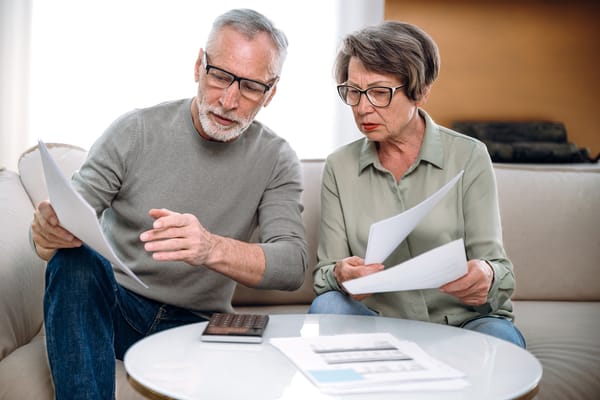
x=222 y=79
x=379 y=96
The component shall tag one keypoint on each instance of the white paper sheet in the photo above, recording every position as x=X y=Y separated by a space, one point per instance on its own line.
x=387 y=234
x=75 y=214
x=370 y=362
x=426 y=271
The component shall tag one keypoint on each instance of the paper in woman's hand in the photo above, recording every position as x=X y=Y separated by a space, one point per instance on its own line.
x=387 y=234
x=426 y=271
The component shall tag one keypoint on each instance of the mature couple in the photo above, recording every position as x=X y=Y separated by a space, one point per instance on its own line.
x=181 y=186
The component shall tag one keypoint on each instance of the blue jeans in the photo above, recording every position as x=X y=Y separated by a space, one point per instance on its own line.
x=91 y=321
x=334 y=302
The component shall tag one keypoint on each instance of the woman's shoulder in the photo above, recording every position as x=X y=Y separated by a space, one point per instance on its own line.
x=349 y=152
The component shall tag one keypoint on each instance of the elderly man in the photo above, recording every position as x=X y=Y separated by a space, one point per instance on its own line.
x=180 y=187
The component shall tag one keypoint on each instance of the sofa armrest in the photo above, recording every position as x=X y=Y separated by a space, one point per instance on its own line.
x=21 y=271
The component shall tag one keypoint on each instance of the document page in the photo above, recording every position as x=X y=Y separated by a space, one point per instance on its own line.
x=371 y=362
x=387 y=234
x=75 y=214
x=426 y=271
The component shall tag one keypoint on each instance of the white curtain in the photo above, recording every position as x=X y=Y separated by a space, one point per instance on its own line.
x=15 y=20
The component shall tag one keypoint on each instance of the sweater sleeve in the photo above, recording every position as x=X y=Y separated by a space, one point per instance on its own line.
x=281 y=232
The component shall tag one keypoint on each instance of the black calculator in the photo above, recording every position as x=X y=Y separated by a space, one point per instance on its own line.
x=232 y=327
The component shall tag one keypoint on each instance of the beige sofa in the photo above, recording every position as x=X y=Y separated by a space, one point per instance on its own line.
x=551 y=222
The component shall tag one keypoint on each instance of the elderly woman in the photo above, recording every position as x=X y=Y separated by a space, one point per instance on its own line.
x=385 y=74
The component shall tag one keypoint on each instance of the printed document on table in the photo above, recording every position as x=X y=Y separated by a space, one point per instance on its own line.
x=429 y=270
x=387 y=234
x=75 y=214
x=371 y=362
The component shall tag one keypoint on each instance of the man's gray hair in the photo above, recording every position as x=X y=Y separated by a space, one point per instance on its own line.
x=250 y=23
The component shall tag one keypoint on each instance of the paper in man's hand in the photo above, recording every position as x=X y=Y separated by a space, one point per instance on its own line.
x=75 y=214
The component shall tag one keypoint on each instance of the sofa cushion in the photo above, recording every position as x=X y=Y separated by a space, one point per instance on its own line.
x=24 y=374
x=21 y=271
x=69 y=158
x=551 y=228
x=564 y=338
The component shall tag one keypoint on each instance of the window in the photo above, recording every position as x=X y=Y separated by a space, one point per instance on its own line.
x=95 y=60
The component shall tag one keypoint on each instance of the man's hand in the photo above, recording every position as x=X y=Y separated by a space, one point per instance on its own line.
x=473 y=287
x=178 y=237
x=354 y=267
x=47 y=234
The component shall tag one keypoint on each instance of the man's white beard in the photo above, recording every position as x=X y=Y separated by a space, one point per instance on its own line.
x=219 y=132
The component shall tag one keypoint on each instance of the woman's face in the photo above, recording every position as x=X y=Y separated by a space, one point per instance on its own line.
x=381 y=124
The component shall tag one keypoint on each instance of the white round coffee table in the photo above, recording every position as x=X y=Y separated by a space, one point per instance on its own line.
x=177 y=364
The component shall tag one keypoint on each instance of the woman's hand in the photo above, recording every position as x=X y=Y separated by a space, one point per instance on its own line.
x=354 y=267
x=473 y=287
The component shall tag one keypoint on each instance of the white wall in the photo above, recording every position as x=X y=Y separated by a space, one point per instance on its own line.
x=93 y=60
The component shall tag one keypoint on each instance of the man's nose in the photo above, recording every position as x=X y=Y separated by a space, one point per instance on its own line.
x=231 y=96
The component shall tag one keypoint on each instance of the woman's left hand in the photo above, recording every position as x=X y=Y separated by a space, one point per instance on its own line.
x=473 y=287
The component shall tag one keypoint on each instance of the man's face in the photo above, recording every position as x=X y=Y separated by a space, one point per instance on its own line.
x=223 y=114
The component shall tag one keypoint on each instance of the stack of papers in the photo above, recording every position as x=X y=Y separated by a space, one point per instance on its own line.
x=373 y=362
x=426 y=271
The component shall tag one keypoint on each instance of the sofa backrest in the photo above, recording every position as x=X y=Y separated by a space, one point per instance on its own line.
x=551 y=229
x=68 y=158
x=550 y=219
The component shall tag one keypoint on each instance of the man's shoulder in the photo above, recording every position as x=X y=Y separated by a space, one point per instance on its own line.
x=267 y=139
x=157 y=111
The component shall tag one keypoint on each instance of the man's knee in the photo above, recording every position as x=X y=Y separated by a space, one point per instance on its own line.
x=78 y=264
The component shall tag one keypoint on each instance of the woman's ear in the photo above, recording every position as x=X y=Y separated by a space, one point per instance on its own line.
x=424 y=97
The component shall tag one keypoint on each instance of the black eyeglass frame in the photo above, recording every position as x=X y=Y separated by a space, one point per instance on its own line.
x=392 y=91
x=238 y=79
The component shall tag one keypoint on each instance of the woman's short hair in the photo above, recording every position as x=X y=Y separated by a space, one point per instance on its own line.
x=397 y=48
x=250 y=23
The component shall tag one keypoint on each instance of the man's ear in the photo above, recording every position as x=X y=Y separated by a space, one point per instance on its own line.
x=424 y=97
x=270 y=96
x=198 y=65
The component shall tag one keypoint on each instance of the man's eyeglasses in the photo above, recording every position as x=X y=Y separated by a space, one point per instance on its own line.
x=379 y=96
x=221 y=79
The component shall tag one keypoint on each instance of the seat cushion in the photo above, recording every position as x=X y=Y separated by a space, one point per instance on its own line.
x=24 y=374
x=564 y=336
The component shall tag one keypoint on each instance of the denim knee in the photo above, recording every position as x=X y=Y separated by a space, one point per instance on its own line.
x=500 y=328
x=78 y=265
x=334 y=302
